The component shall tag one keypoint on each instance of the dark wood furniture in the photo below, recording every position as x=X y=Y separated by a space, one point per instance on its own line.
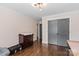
x=25 y=40
x=14 y=49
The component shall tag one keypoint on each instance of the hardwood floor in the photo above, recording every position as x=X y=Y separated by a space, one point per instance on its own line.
x=39 y=49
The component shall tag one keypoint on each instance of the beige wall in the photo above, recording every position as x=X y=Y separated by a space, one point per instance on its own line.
x=74 y=24
x=12 y=23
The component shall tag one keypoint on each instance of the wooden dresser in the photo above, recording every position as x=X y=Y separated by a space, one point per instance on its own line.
x=25 y=40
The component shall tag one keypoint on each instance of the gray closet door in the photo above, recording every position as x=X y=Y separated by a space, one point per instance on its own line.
x=62 y=31
x=52 y=32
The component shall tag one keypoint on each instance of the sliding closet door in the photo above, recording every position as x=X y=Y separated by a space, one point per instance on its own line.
x=58 y=32
x=62 y=31
x=52 y=32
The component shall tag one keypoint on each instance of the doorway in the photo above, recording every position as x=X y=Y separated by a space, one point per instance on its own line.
x=41 y=33
x=58 y=32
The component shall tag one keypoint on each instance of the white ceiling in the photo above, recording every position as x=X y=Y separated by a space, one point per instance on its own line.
x=51 y=9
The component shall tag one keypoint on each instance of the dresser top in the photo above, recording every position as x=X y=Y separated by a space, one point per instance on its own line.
x=26 y=33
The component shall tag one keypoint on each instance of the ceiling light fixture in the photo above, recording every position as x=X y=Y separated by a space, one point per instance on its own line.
x=39 y=5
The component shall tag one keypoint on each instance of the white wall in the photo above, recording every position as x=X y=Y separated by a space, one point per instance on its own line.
x=12 y=23
x=74 y=24
x=44 y=30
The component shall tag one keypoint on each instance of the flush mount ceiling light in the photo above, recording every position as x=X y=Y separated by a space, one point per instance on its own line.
x=39 y=5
